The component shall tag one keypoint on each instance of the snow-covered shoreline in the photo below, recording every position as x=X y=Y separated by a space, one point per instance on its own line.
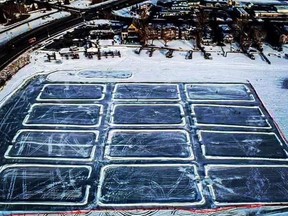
x=236 y=67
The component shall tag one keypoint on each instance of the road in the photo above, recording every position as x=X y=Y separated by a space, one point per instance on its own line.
x=20 y=44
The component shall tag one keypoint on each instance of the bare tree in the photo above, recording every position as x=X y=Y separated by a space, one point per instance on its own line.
x=168 y=35
x=243 y=33
x=201 y=22
x=258 y=37
x=2 y=15
x=152 y=33
x=142 y=23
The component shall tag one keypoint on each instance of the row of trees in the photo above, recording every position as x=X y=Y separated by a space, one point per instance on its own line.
x=11 y=11
x=245 y=31
x=148 y=32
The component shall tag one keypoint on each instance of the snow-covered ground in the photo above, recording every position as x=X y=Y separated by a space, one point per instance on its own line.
x=126 y=12
x=85 y=4
x=98 y=22
x=263 y=1
x=236 y=67
x=81 y=4
x=8 y=35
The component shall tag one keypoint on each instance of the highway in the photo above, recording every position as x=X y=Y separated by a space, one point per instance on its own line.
x=107 y=5
x=20 y=44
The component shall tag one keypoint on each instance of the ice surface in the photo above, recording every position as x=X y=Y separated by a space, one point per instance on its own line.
x=149 y=145
x=242 y=145
x=70 y=92
x=248 y=184
x=209 y=92
x=149 y=185
x=233 y=116
x=65 y=114
x=47 y=185
x=146 y=92
x=53 y=145
x=147 y=114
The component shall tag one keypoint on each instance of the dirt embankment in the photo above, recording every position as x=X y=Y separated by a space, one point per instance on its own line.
x=13 y=68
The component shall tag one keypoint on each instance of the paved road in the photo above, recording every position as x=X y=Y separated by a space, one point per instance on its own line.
x=20 y=44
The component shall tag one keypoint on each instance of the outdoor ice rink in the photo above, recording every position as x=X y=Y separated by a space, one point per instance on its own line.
x=71 y=146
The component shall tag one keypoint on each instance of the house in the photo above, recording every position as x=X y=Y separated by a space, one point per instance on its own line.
x=170 y=31
x=282 y=9
x=154 y=31
x=181 y=6
x=270 y=11
x=165 y=13
x=193 y=3
x=207 y=35
x=213 y=3
x=132 y=29
x=240 y=12
x=186 y=31
x=178 y=8
x=265 y=14
x=130 y=34
x=102 y=34
x=226 y=33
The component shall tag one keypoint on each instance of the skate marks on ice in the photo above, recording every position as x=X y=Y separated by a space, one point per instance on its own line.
x=129 y=145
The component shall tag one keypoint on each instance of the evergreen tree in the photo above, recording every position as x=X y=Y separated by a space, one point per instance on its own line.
x=48 y=6
x=2 y=15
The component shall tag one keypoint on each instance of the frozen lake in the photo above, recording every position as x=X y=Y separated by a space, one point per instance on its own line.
x=96 y=146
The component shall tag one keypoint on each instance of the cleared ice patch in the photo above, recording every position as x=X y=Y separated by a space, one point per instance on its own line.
x=56 y=145
x=149 y=185
x=64 y=115
x=149 y=115
x=146 y=92
x=218 y=92
x=72 y=92
x=247 y=184
x=35 y=184
x=229 y=116
x=241 y=145
x=148 y=145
